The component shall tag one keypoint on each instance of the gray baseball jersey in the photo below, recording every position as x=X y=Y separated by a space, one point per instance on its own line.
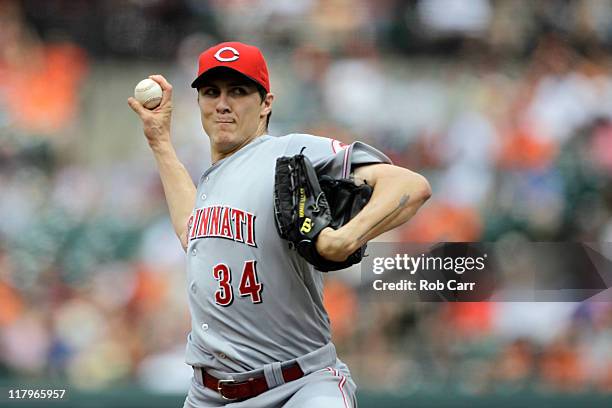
x=254 y=301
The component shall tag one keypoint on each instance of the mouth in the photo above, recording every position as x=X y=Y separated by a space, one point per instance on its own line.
x=224 y=121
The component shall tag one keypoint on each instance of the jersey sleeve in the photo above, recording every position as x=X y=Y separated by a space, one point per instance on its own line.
x=332 y=157
x=316 y=148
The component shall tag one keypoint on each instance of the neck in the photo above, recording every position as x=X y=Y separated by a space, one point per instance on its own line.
x=217 y=155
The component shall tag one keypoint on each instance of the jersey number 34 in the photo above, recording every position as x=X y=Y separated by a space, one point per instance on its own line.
x=249 y=284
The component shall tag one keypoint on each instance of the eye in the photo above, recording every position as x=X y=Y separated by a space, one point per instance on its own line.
x=209 y=92
x=239 y=90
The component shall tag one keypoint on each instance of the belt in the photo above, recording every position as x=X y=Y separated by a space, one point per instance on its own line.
x=232 y=390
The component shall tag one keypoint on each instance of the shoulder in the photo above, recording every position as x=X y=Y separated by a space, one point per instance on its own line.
x=304 y=138
x=315 y=147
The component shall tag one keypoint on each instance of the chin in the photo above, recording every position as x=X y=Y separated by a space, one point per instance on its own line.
x=223 y=136
x=225 y=141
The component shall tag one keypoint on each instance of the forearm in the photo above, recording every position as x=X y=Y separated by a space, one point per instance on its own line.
x=396 y=198
x=398 y=194
x=178 y=187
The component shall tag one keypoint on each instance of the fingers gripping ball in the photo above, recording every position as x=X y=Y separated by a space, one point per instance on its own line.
x=148 y=93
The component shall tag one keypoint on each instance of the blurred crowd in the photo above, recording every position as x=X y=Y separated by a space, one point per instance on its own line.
x=505 y=106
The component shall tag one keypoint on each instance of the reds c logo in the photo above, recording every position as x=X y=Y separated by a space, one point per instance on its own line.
x=234 y=57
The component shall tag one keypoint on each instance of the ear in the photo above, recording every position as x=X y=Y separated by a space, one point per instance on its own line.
x=267 y=104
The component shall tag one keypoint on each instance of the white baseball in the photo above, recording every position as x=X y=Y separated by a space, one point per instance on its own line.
x=148 y=93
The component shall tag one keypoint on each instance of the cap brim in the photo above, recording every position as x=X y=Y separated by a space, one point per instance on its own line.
x=198 y=81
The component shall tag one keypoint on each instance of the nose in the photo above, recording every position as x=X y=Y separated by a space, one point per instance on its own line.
x=222 y=105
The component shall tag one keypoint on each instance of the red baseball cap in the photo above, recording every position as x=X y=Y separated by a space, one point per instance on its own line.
x=245 y=59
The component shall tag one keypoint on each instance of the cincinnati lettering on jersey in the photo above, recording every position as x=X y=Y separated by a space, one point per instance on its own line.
x=223 y=222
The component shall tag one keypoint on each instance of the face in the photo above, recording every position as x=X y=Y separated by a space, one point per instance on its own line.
x=232 y=111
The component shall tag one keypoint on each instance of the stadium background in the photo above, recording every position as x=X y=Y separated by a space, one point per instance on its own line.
x=505 y=106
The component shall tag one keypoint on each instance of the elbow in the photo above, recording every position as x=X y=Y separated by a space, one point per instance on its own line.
x=424 y=189
x=415 y=185
x=420 y=188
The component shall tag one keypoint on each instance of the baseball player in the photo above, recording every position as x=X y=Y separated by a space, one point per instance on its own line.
x=260 y=334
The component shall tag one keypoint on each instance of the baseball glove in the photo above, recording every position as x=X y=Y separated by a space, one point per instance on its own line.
x=305 y=204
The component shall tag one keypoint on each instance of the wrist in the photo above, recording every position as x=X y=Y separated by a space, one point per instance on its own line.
x=349 y=238
x=161 y=146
